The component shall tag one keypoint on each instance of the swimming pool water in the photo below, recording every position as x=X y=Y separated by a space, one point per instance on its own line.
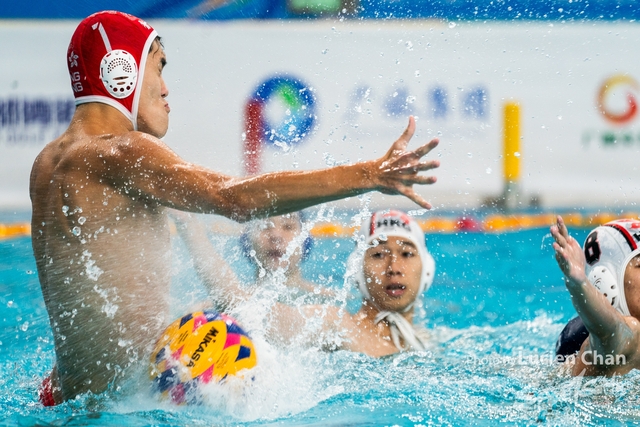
x=495 y=309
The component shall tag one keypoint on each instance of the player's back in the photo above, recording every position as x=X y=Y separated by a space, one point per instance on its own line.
x=102 y=254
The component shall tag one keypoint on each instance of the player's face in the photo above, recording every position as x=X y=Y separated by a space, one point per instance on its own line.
x=272 y=239
x=393 y=270
x=153 y=111
x=632 y=286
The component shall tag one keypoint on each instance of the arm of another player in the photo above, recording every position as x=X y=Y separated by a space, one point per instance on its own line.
x=216 y=274
x=609 y=331
x=306 y=324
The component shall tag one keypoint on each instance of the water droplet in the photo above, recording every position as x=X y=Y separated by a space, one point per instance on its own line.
x=82 y=220
x=470 y=155
x=65 y=209
x=24 y=326
x=417 y=73
x=488 y=171
x=76 y=231
x=452 y=24
x=559 y=117
x=516 y=154
x=10 y=304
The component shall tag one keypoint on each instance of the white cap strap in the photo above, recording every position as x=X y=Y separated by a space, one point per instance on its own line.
x=400 y=328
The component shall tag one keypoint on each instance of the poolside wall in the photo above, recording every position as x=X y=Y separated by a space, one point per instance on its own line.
x=366 y=77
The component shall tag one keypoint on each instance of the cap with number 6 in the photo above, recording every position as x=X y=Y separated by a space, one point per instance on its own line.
x=608 y=249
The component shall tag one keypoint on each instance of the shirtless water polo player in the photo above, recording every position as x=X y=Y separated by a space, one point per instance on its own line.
x=99 y=228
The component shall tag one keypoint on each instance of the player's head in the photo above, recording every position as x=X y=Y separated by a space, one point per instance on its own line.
x=396 y=267
x=268 y=241
x=108 y=57
x=613 y=266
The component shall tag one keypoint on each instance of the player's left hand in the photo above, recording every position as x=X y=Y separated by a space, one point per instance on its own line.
x=569 y=254
x=398 y=170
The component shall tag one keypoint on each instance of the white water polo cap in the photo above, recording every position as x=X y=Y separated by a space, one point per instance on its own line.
x=608 y=249
x=380 y=226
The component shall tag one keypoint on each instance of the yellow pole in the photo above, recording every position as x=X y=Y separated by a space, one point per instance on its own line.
x=511 y=135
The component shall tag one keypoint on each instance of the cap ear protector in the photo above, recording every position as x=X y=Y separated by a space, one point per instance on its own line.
x=607 y=250
x=119 y=73
x=605 y=282
x=247 y=247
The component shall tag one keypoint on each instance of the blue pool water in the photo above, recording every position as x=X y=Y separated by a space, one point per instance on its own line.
x=495 y=310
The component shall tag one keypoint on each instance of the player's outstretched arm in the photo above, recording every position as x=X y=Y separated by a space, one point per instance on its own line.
x=394 y=173
x=144 y=167
x=609 y=332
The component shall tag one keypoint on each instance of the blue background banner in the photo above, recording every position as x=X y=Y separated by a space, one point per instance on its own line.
x=561 y=10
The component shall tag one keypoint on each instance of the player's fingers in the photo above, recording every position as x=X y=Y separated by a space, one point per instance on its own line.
x=562 y=227
x=411 y=194
x=422 y=180
x=401 y=143
x=421 y=166
x=426 y=148
x=560 y=255
x=428 y=165
x=557 y=236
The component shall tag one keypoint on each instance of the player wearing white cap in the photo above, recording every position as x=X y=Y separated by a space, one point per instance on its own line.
x=604 y=282
x=392 y=268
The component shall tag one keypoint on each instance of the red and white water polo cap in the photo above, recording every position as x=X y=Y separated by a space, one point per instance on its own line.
x=608 y=249
x=106 y=60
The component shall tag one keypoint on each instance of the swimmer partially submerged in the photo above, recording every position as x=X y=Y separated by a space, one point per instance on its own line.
x=275 y=247
x=392 y=269
x=604 y=283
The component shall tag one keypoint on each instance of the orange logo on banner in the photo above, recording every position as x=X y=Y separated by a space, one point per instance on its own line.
x=612 y=85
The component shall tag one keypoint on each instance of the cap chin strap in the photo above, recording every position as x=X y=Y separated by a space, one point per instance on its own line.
x=400 y=328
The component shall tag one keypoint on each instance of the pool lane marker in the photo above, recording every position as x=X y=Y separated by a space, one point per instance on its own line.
x=489 y=224
x=9 y=231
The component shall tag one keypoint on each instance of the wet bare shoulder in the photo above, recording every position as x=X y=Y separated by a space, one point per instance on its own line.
x=108 y=154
